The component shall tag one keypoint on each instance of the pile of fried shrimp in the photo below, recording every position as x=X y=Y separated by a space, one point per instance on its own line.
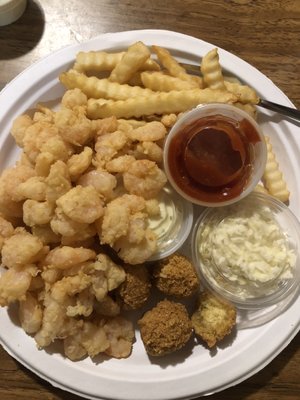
x=74 y=209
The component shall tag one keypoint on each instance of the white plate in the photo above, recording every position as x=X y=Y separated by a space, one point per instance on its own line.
x=195 y=371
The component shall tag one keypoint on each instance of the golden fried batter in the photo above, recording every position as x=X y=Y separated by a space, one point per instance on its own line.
x=214 y=318
x=135 y=290
x=165 y=328
x=176 y=276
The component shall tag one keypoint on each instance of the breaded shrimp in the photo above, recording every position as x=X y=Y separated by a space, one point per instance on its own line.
x=144 y=178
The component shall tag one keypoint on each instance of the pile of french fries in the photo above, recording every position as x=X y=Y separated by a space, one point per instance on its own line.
x=145 y=84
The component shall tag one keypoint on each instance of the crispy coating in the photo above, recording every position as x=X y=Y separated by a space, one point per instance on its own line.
x=176 y=276
x=213 y=319
x=135 y=290
x=165 y=328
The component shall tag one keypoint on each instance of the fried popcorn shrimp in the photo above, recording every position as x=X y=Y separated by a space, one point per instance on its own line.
x=79 y=163
x=136 y=253
x=6 y=230
x=22 y=248
x=81 y=204
x=55 y=305
x=37 y=213
x=105 y=125
x=73 y=97
x=43 y=113
x=84 y=304
x=33 y=188
x=30 y=314
x=73 y=126
x=90 y=339
x=169 y=120
x=59 y=149
x=120 y=334
x=117 y=214
x=119 y=164
x=175 y=275
x=11 y=178
x=36 y=135
x=43 y=164
x=114 y=273
x=14 y=284
x=152 y=207
x=19 y=126
x=82 y=238
x=107 y=307
x=135 y=290
x=150 y=151
x=108 y=145
x=45 y=234
x=144 y=178
x=61 y=224
x=124 y=228
x=102 y=181
x=58 y=181
x=150 y=132
x=165 y=328
x=66 y=257
x=213 y=319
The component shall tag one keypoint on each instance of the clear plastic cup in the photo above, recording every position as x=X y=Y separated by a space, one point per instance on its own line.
x=174 y=224
x=243 y=145
x=243 y=270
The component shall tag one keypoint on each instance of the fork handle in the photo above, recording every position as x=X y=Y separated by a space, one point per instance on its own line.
x=288 y=111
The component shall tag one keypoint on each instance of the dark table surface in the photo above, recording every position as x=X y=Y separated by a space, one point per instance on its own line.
x=265 y=33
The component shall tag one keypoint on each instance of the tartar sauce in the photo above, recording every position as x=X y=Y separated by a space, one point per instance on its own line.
x=247 y=246
x=173 y=224
x=163 y=223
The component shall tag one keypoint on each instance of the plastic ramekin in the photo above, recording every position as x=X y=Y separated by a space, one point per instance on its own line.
x=258 y=152
x=247 y=293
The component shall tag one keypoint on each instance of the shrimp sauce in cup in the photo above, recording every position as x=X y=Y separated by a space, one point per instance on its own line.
x=215 y=155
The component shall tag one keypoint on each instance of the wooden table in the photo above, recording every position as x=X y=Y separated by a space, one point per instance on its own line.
x=266 y=33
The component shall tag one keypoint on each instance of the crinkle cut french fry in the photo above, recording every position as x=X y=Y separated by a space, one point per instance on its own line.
x=160 y=82
x=103 y=61
x=98 y=60
x=157 y=103
x=130 y=63
x=260 y=189
x=272 y=178
x=101 y=88
x=171 y=65
x=212 y=70
x=245 y=93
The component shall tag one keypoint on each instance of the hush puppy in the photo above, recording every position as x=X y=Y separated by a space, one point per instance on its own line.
x=214 y=318
x=135 y=290
x=165 y=328
x=176 y=276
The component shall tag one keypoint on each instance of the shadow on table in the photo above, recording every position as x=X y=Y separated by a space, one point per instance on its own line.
x=24 y=34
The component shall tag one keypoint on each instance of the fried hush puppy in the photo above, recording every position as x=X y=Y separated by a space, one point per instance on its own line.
x=135 y=290
x=165 y=328
x=176 y=276
x=213 y=319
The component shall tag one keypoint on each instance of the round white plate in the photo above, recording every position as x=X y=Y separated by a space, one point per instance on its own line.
x=194 y=371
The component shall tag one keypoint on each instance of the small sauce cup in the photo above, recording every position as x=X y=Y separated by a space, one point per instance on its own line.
x=215 y=155
x=174 y=224
x=254 y=264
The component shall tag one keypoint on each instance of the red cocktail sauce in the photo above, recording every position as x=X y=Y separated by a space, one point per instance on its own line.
x=211 y=158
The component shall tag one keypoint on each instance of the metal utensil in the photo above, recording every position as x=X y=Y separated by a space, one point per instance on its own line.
x=279 y=108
